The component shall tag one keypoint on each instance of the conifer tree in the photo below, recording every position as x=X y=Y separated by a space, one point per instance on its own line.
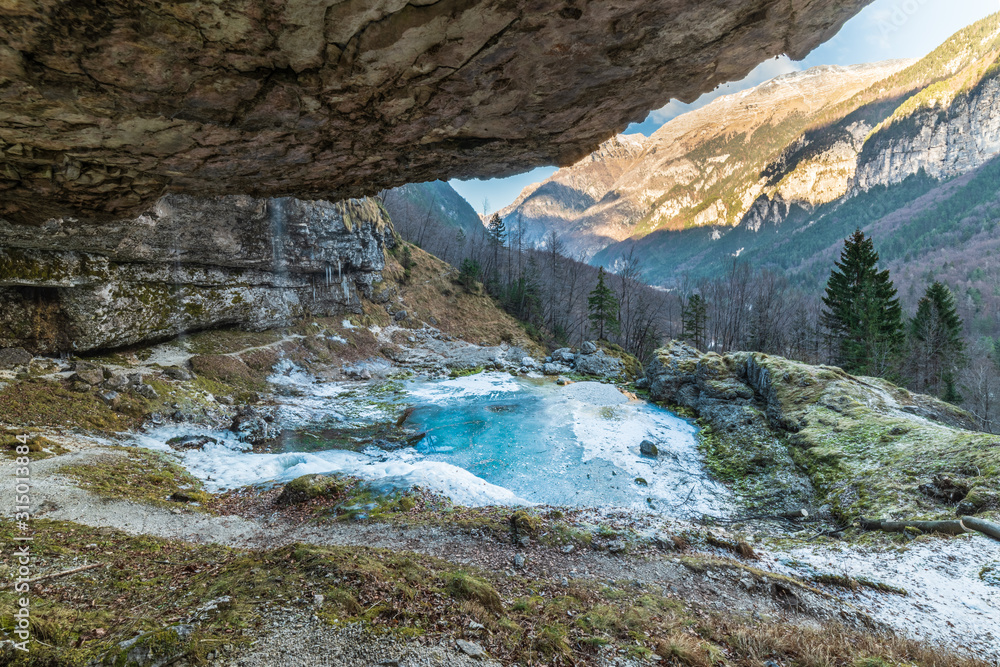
x=603 y=308
x=497 y=230
x=693 y=318
x=862 y=315
x=937 y=349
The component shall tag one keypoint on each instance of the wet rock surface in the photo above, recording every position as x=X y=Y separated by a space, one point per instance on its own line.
x=186 y=264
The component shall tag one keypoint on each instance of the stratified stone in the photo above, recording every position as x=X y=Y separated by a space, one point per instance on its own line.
x=12 y=357
x=184 y=265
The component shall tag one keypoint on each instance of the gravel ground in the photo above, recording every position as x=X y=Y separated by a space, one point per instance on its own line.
x=315 y=644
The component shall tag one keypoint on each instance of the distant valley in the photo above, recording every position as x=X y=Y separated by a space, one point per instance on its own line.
x=779 y=174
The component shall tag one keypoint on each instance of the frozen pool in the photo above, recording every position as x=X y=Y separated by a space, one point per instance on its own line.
x=491 y=438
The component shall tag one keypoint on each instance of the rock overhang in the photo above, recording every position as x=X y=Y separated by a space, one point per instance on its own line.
x=106 y=106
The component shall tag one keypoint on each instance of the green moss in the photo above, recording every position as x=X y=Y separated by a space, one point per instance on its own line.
x=465 y=372
x=856 y=584
x=309 y=487
x=990 y=573
x=230 y=341
x=38 y=447
x=139 y=475
x=463 y=586
x=632 y=365
x=35 y=402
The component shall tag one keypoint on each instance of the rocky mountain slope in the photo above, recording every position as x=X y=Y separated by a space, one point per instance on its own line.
x=766 y=158
x=701 y=168
x=432 y=205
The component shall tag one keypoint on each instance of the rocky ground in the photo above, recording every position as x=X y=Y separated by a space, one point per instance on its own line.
x=245 y=578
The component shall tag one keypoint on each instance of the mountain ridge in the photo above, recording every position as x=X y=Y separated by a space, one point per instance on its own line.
x=858 y=128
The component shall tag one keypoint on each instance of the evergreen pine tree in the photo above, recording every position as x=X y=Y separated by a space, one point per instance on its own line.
x=693 y=318
x=497 y=230
x=603 y=308
x=937 y=349
x=862 y=314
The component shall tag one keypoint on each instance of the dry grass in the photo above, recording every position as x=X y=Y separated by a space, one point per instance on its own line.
x=432 y=292
x=150 y=583
x=829 y=646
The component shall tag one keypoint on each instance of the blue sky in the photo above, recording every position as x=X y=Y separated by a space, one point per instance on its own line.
x=884 y=30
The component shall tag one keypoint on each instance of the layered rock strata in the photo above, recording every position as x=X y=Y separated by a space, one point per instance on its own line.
x=186 y=264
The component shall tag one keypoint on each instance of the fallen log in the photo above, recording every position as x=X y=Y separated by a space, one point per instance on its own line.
x=981 y=525
x=954 y=527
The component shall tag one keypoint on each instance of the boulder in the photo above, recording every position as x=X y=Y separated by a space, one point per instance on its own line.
x=189 y=442
x=589 y=347
x=564 y=355
x=152 y=649
x=117 y=382
x=649 y=448
x=599 y=364
x=87 y=372
x=791 y=425
x=554 y=369
x=12 y=357
x=471 y=649
x=979 y=499
x=110 y=398
x=146 y=391
x=255 y=424
x=178 y=373
x=308 y=487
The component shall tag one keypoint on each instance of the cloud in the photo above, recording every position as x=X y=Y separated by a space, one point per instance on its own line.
x=763 y=72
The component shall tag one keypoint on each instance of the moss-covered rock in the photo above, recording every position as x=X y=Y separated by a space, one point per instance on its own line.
x=980 y=499
x=152 y=649
x=783 y=432
x=308 y=487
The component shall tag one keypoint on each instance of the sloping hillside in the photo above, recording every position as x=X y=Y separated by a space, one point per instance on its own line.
x=424 y=206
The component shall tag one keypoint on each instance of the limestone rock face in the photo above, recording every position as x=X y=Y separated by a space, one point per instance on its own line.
x=944 y=139
x=108 y=105
x=701 y=168
x=186 y=264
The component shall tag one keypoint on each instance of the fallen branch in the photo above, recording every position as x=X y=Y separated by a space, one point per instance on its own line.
x=967 y=524
x=981 y=525
x=64 y=573
x=955 y=527
x=834 y=532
